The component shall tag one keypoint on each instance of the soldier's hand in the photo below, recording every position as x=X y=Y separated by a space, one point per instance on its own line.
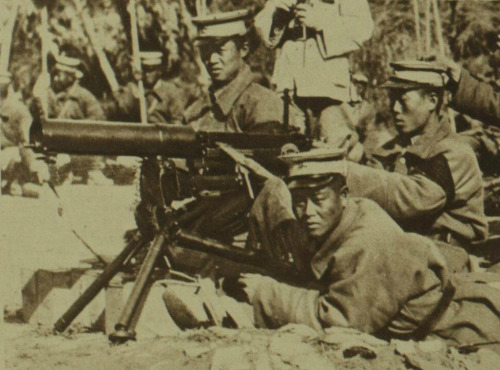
x=285 y=5
x=310 y=14
x=250 y=283
x=453 y=70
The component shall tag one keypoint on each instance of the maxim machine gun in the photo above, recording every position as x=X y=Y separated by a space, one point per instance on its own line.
x=217 y=162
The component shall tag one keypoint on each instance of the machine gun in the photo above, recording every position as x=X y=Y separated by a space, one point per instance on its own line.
x=206 y=150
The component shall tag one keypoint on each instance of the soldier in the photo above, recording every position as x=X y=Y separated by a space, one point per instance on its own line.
x=67 y=99
x=435 y=188
x=165 y=99
x=359 y=268
x=314 y=39
x=234 y=103
x=22 y=174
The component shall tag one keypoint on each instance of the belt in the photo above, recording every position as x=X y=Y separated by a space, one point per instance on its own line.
x=429 y=323
x=300 y=33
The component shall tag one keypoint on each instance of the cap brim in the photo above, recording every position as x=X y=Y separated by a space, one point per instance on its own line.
x=310 y=182
x=212 y=40
x=402 y=85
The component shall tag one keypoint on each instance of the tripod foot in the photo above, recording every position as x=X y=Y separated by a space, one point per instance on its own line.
x=120 y=335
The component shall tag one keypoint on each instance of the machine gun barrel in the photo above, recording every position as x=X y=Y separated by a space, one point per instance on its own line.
x=131 y=139
x=114 y=138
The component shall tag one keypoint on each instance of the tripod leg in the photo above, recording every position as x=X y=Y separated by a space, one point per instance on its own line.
x=89 y=294
x=140 y=305
x=122 y=331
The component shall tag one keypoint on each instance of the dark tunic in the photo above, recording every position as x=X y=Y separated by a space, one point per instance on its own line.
x=436 y=186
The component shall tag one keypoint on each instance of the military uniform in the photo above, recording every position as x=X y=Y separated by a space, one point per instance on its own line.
x=435 y=188
x=413 y=297
x=242 y=105
x=166 y=100
x=75 y=103
x=312 y=63
x=477 y=99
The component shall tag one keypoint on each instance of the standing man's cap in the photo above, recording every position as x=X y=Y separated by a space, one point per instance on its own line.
x=414 y=74
x=69 y=64
x=221 y=25
x=314 y=168
x=151 y=58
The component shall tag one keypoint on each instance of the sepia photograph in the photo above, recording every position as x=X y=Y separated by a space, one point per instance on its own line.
x=250 y=184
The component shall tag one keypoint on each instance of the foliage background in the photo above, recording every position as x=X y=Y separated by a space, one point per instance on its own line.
x=469 y=29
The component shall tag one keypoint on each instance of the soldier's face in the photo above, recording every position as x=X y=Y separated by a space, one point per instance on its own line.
x=150 y=76
x=223 y=60
x=61 y=80
x=411 y=110
x=319 y=210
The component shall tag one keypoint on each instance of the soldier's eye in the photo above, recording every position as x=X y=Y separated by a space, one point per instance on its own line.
x=299 y=200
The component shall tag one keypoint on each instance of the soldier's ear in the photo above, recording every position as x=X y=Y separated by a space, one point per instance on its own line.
x=343 y=196
x=245 y=49
x=432 y=100
x=343 y=192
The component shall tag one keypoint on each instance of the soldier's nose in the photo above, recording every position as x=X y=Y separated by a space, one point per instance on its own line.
x=309 y=210
x=396 y=107
x=214 y=58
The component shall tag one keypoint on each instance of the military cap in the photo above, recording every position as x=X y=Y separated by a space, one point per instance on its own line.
x=151 y=58
x=69 y=64
x=221 y=25
x=413 y=74
x=314 y=168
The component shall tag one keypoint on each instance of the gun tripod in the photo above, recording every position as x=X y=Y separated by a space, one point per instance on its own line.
x=172 y=234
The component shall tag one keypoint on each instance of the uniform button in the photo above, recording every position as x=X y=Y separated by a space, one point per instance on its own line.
x=402 y=160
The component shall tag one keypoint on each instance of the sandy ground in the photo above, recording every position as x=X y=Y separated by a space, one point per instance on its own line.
x=34 y=236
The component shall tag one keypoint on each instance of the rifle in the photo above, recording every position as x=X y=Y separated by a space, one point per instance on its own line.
x=259 y=151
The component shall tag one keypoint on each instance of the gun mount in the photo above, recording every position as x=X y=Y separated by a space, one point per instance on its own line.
x=210 y=154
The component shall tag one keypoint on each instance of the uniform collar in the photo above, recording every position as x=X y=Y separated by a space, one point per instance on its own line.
x=225 y=97
x=323 y=259
x=70 y=93
x=422 y=145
